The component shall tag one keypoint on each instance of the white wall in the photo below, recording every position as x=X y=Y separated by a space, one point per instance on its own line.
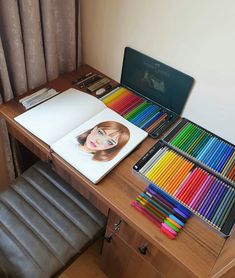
x=196 y=37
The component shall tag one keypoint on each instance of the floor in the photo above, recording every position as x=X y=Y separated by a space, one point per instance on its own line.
x=87 y=265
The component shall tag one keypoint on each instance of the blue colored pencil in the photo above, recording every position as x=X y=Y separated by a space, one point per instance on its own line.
x=155 y=118
x=225 y=209
x=216 y=153
x=210 y=151
x=140 y=113
x=184 y=210
x=148 y=117
x=201 y=145
x=137 y=120
x=203 y=152
x=224 y=159
x=219 y=152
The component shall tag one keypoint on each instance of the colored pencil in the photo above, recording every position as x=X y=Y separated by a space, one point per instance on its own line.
x=201 y=192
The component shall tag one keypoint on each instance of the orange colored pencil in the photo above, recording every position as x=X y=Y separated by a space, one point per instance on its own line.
x=176 y=174
x=174 y=166
x=181 y=177
x=157 y=123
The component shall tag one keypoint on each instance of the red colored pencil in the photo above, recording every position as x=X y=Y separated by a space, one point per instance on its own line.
x=191 y=186
x=125 y=103
x=132 y=106
x=186 y=184
x=196 y=187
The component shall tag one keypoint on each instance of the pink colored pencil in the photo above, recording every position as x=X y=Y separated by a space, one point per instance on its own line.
x=132 y=106
x=206 y=187
x=200 y=191
x=120 y=100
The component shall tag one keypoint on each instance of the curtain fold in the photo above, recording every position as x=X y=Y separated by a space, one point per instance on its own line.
x=6 y=93
x=11 y=34
x=39 y=40
x=29 y=12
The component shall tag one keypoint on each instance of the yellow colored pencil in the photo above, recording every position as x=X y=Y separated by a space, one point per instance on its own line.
x=157 y=175
x=167 y=169
x=115 y=95
x=155 y=165
x=175 y=166
x=157 y=168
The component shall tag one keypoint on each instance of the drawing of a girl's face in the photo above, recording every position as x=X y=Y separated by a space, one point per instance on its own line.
x=100 y=139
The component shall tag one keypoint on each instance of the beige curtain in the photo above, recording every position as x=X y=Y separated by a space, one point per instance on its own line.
x=39 y=40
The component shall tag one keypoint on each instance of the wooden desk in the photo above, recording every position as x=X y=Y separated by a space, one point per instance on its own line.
x=197 y=251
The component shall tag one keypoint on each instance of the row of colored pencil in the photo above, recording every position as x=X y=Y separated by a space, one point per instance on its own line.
x=137 y=110
x=200 y=191
x=163 y=211
x=207 y=148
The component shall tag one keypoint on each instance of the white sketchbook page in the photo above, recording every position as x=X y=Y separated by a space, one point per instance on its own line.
x=67 y=147
x=54 y=118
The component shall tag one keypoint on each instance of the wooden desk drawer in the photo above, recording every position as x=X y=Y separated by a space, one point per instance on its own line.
x=121 y=261
x=165 y=265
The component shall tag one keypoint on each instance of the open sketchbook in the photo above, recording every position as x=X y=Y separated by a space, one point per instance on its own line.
x=83 y=131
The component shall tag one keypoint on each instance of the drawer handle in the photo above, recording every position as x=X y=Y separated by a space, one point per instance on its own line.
x=117 y=226
x=115 y=229
x=143 y=249
x=109 y=238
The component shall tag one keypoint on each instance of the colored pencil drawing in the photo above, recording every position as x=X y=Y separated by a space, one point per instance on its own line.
x=104 y=141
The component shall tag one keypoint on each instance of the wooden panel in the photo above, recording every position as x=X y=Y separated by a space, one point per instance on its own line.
x=229 y=274
x=119 y=260
x=225 y=263
x=157 y=258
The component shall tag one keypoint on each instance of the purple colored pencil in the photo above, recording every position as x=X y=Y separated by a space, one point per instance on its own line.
x=213 y=198
x=202 y=193
x=218 y=200
x=222 y=204
x=159 y=197
x=202 y=201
